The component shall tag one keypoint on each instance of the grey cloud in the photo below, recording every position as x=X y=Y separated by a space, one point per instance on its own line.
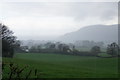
x=104 y=11
x=79 y=10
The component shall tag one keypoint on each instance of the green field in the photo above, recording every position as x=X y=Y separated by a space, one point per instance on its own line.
x=65 y=66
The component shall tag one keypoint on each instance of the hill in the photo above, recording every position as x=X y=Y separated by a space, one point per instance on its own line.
x=105 y=33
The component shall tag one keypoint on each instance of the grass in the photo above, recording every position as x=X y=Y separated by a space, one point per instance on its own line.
x=104 y=55
x=65 y=66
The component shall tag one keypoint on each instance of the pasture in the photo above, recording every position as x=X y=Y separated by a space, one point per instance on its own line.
x=64 y=66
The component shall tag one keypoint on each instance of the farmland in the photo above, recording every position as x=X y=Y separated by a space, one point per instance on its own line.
x=64 y=66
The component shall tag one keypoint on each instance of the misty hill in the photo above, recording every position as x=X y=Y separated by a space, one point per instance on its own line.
x=105 y=33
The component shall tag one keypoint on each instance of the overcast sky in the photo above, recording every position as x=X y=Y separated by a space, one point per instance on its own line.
x=45 y=20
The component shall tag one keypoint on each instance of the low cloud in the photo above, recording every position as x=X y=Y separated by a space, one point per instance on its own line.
x=56 y=18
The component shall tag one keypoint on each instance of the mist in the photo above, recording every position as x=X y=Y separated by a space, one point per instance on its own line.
x=50 y=20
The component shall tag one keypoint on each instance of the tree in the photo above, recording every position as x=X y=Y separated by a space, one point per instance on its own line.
x=9 y=42
x=60 y=47
x=33 y=49
x=52 y=46
x=39 y=48
x=47 y=45
x=96 y=50
x=66 y=48
x=113 y=49
x=17 y=46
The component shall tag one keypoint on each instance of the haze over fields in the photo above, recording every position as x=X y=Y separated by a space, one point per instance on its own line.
x=50 y=20
x=59 y=39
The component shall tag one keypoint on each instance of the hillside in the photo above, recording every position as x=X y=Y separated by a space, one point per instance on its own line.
x=105 y=33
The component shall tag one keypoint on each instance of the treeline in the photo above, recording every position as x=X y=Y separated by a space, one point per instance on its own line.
x=112 y=49
x=10 y=45
x=9 y=42
x=62 y=48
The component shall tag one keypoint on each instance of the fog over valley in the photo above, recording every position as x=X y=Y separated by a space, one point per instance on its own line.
x=42 y=39
x=50 y=20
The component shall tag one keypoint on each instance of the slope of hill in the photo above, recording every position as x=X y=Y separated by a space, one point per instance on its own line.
x=105 y=33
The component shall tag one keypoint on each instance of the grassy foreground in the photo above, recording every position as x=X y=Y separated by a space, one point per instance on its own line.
x=64 y=66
